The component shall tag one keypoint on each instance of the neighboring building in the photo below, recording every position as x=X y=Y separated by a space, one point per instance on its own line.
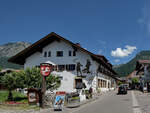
x=129 y=79
x=76 y=66
x=143 y=72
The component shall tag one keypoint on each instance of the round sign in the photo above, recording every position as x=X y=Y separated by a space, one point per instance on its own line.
x=46 y=69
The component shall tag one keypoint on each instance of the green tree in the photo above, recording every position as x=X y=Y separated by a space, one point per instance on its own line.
x=20 y=79
x=135 y=80
x=8 y=80
x=29 y=78
x=119 y=83
x=34 y=79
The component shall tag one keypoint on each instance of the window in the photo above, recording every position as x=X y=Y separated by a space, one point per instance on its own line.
x=59 y=53
x=45 y=54
x=74 y=53
x=55 y=68
x=61 y=67
x=70 y=67
x=78 y=84
x=70 y=53
x=49 y=54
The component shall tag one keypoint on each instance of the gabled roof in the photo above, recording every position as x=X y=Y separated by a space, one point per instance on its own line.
x=38 y=46
x=105 y=60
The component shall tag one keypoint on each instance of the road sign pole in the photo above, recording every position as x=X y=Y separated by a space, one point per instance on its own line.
x=45 y=71
x=43 y=90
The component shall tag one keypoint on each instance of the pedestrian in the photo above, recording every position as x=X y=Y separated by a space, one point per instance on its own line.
x=90 y=92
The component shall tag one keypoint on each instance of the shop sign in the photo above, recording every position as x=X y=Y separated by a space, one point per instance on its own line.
x=46 y=69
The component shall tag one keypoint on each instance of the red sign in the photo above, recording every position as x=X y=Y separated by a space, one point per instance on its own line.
x=46 y=69
x=60 y=93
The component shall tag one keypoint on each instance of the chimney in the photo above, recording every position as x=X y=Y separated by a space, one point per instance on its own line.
x=78 y=44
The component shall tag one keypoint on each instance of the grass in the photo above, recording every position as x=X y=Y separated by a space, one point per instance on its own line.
x=20 y=107
x=17 y=96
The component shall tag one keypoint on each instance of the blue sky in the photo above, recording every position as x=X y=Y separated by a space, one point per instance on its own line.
x=117 y=29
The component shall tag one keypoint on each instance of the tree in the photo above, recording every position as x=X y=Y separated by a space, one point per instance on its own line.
x=34 y=79
x=29 y=78
x=119 y=83
x=135 y=80
x=8 y=80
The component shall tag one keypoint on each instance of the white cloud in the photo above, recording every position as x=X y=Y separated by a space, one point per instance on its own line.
x=119 y=52
x=116 y=60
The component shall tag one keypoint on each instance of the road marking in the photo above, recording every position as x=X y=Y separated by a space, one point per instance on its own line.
x=135 y=104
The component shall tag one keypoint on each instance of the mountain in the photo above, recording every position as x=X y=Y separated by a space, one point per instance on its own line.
x=8 y=50
x=126 y=69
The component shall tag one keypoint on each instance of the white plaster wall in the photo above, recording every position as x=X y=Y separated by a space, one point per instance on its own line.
x=38 y=58
x=67 y=82
x=68 y=77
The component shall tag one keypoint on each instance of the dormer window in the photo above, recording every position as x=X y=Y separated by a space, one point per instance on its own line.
x=59 y=53
x=45 y=54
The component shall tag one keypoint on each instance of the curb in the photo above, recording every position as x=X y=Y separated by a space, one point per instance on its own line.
x=83 y=103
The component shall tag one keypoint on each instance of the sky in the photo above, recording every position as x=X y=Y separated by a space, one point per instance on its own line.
x=117 y=29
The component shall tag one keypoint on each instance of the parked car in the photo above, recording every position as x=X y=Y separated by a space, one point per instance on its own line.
x=122 y=89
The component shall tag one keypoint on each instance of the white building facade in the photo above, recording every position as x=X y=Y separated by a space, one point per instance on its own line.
x=74 y=65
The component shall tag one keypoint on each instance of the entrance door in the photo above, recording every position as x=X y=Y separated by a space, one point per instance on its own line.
x=78 y=84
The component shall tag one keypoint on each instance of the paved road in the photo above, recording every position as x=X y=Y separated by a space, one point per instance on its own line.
x=111 y=103
x=144 y=101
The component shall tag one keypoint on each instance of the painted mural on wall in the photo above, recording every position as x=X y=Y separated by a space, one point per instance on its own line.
x=86 y=69
x=79 y=69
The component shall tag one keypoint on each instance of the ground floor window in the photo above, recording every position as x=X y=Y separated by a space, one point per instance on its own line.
x=78 y=84
x=102 y=83
x=62 y=67
x=70 y=67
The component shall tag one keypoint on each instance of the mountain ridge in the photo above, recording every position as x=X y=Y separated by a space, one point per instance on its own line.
x=8 y=50
x=125 y=69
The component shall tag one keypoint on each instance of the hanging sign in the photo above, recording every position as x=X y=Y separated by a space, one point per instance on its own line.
x=46 y=69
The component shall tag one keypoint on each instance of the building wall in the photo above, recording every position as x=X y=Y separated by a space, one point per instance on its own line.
x=67 y=82
x=38 y=58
